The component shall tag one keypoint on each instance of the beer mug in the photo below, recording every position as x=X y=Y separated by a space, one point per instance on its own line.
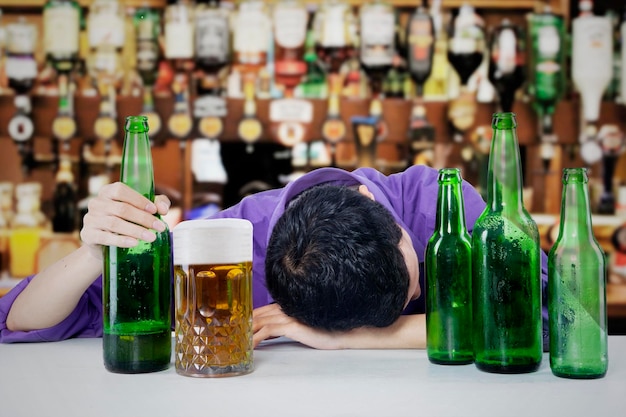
x=213 y=297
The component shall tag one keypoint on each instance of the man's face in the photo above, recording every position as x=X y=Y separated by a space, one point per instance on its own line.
x=412 y=264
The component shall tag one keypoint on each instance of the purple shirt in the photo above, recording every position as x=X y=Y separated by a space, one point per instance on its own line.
x=410 y=196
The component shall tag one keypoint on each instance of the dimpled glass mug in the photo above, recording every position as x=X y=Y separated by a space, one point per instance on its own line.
x=213 y=297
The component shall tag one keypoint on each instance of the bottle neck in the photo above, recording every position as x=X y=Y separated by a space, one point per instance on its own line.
x=505 y=172
x=450 y=208
x=136 y=170
x=575 y=211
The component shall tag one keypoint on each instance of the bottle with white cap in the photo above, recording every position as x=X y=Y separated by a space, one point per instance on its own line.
x=592 y=70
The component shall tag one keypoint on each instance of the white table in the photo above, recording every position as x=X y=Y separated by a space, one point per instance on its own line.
x=68 y=379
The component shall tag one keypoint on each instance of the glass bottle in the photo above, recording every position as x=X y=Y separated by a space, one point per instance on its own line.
x=27 y=229
x=314 y=82
x=421 y=41
x=506 y=64
x=64 y=199
x=506 y=265
x=290 y=19
x=448 y=270
x=592 y=61
x=136 y=281
x=377 y=28
x=577 y=274
x=61 y=21
x=6 y=217
x=212 y=45
x=21 y=65
x=334 y=25
x=179 y=34
x=252 y=26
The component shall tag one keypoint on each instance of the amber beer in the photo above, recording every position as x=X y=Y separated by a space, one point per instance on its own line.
x=213 y=297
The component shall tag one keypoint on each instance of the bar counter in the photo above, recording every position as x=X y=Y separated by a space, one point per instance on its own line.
x=68 y=379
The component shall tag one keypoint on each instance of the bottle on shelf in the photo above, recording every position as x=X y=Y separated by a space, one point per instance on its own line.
x=252 y=27
x=6 y=218
x=147 y=22
x=28 y=227
x=506 y=265
x=313 y=83
x=61 y=22
x=507 y=63
x=334 y=26
x=466 y=48
x=290 y=22
x=592 y=70
x=212 y=44
x=21 y=70
x=64 y=199
x=137 y=340
x=546 y=78
x=577 y=276
x=420 y=55
x=448 y=269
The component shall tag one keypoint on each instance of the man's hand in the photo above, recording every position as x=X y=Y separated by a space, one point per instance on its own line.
x=408 y=332
x=270 y=322
x=120 y=216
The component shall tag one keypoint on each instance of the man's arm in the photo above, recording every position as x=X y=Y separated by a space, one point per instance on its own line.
x=118 y=216
x=408 y=332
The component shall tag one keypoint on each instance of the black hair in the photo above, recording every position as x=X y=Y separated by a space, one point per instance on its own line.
x=333 y=261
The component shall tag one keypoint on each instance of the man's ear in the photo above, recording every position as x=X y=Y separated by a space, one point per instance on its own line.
x=366 y=192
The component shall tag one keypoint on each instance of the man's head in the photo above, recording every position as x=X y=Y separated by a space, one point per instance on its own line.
x=334 y=262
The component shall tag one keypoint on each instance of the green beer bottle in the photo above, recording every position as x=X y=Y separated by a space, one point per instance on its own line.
x=506 y=265
x=577 y=274
x=136 y=281
x=449 y=277
x=547 y=64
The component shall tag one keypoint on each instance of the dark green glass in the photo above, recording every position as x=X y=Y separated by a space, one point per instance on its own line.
x=136 y=281
x=506 y=265
x=577 y=273
x=448 y=271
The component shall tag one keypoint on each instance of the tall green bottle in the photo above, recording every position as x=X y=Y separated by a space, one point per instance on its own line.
x=136 y=281
x=506 y=265
x=577 y=273
x=448 y=270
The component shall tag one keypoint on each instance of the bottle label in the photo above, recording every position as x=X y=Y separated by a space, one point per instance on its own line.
x=21 y=128
x=421 y=43
x=290 y=133
x=212 y=35
x=210 y=127
x=63 y=128
x=106 y=27
x=377 y=36
x=462 y=110
x=61 y=30
x=105 y=127
x=504 y=54
x=290 y=25
x=180 y=125
x=21 y=68
x=147 y=55
x=334 y=31
x=333 y=130
x=21 y=38
x=252 y=26
x=292 y=110
x=548 y=47
x=250 y=130
x=178 y=40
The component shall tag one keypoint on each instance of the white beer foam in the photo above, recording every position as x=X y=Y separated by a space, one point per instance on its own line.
x=212 y=241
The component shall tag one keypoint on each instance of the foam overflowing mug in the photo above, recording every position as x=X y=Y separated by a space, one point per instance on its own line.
x=213 y=297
